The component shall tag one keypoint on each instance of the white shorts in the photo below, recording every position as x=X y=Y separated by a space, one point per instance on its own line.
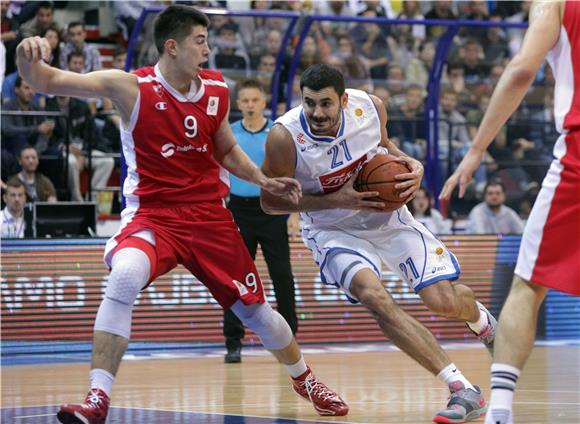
x=403 y=244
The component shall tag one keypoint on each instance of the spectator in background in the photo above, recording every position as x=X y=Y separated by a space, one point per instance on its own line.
x=310 y=54
x=516 y=35
x=495 y=43
x=84 y=137
x=407 y=123
x=38 y=187
x=383 y=93
x=21 y=131
x=266 y=68
x=477 y=11
x=371 y=41
x=353 y=67
x=402 y=45
x=127 y=12
x=9 y=36
x=12 y=224
x=397 y=84
x=76 y=63
x=76 y=35
x=453 y=136
x=256 y=227
x=421 y=209
x=53 y=35
x=232 y=62
x=492 y=216
x=43 y=19
x=455 y=80
x=475 y=69
x=417 y=71
x=441 y=10
x=332 y=30
x=411 y=10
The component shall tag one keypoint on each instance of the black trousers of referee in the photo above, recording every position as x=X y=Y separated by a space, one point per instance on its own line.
x=271 y=232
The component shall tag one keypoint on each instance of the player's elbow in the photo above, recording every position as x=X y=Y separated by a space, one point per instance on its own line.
x=521 y=72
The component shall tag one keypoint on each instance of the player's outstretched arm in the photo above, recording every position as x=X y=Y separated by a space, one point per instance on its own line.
x=541 y=36
x=280 y=161
x=117 y=85
x=231 y=156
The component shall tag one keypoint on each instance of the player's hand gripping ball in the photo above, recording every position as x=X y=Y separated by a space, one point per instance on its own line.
x=378 y=174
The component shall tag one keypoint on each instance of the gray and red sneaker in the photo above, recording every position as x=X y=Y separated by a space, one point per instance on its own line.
x=487 y=335
x=92 y=411
x=325 y=401
x=464 y=405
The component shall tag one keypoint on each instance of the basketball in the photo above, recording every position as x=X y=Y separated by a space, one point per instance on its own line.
x=379 y=175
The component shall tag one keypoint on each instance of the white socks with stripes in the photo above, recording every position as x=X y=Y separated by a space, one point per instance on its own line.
x=503 y=383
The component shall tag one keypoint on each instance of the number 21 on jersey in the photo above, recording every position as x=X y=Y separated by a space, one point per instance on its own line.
x=339 y=154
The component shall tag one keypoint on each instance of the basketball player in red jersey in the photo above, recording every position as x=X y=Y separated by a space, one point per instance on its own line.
x=550 y=252
x=178 y=144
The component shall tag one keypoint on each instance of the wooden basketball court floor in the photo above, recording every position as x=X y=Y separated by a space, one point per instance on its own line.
x=381 y=385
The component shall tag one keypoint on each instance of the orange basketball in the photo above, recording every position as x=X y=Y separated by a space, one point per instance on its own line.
x=378 y=174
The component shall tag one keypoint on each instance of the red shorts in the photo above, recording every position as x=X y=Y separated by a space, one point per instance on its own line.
x=203 y=238
x=550 y=250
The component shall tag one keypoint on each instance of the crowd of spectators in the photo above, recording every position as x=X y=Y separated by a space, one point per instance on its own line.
x=392 y=61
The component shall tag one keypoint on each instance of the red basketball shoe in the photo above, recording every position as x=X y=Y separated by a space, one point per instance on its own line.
x=325 y=401
x=92 y=411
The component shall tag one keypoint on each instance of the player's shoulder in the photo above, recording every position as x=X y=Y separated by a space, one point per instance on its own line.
x=212 y=77
x=144 y=72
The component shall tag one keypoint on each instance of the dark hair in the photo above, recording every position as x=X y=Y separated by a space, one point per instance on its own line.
x=428 y=195
x=176 y=22
x=320 y=76
x=74 y=53
x=249 y=83
x=119 y=50
x=18 y=81
x=493 y=183
x=27 y=147
x=15 y=183
x=74 y=24
x=45 y=5
x=55 y=61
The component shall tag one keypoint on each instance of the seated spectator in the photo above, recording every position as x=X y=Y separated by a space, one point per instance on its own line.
x=475 y=69
x=417 y=71
x=453 y=136
x=43 y=19
x=397 y=84
x=75 y=61
x=21 y=131
x=371 y=41
x=477 y=11
x=492 y=216
x=495 y=43
x=421 y=209
x=12 y=223
x=441 y=10
x=334 y=29
x=309 y=55
x=9 y=91
x=53 y=35
x=384 y=94
x=407 y=123
x=9 y=38
x=266 y=69
x=226 y=57
x=38 y=187
x=353 y=67
x=76 y=36
x=84 y=137
x=403 y=45
x=411 y=10
x=127 y=12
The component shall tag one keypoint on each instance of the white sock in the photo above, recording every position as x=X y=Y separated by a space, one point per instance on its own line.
x=101 y=379
x=503 y=383
x=479 y=325
x=297 y=369
x=451 y=374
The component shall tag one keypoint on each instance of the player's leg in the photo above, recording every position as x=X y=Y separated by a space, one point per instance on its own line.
x=131 y=270
x=277 y=337
x=457 y=301
x=467 y=402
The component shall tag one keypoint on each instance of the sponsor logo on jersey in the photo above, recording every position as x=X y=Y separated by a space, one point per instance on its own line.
x=161 y=106
x=358 y=112
x=300 y=138
x=309 y=147
x=439 y=251
x=169 y=149
x=241 y=288
x=334 y=181
x=212 y=105
x=438 y=269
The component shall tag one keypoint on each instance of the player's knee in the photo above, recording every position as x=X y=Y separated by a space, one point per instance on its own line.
x=374 y=297
x=269 y=325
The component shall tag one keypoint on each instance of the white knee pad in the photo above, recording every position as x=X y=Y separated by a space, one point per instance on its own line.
x=343 y=266
x=129 y=274
x=268 y=324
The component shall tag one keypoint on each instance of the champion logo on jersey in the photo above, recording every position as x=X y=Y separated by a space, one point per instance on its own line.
x=241 y=288
x=212 y=105
x=161 y=106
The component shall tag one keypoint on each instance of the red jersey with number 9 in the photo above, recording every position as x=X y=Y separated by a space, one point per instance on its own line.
x=168 y=144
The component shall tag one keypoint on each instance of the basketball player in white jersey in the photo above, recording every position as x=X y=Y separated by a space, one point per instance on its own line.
x=322 y=144
x=550 y=251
